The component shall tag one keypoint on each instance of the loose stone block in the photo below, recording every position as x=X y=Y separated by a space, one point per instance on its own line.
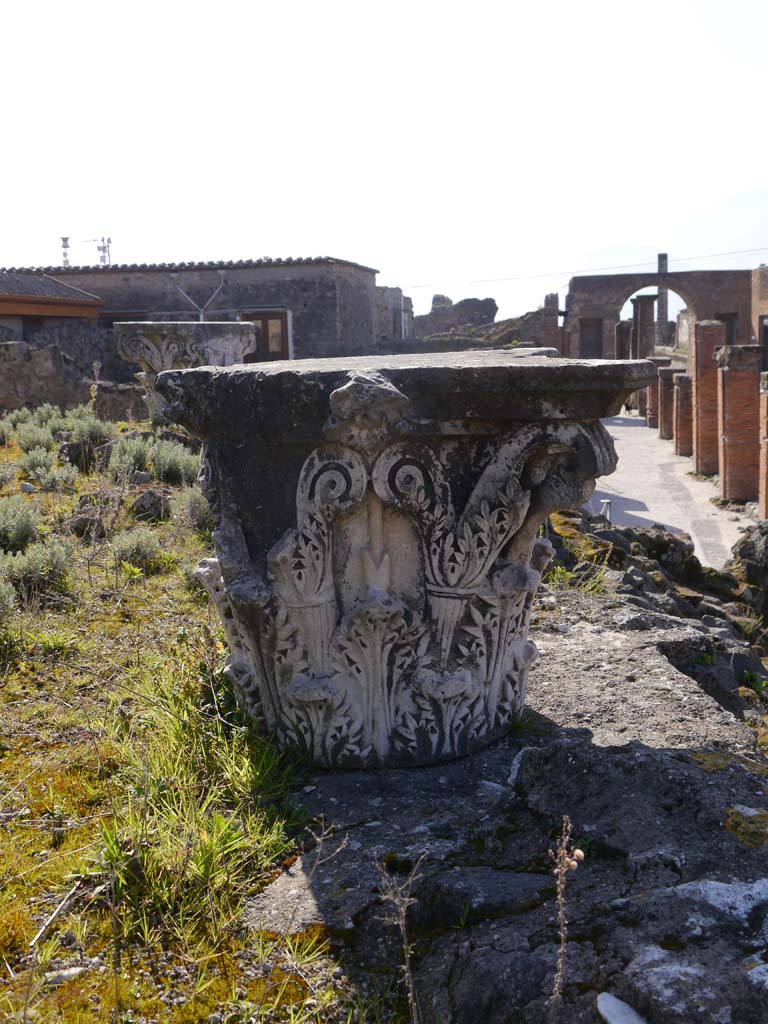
x=377 y=536
x=738 y=403
x=171 y=345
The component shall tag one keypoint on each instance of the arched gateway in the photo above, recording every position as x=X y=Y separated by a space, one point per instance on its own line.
x=594 y=304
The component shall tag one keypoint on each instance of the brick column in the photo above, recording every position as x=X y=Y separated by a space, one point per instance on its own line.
x=643 y=328
x=662 y=307
x=763 y=500
x=666 y=396
x=709 y=335
x=652 y=397
x=623 y=329
x=644 y=304
x=683 y=415
x=738 y=418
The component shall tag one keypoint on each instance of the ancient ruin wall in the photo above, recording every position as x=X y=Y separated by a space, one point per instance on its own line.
x=709 y=295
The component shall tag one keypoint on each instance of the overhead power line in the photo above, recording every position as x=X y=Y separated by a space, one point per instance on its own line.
x=590 y=270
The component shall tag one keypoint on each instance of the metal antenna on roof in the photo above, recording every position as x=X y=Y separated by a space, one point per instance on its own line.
x=103 y=249
x=104 y=254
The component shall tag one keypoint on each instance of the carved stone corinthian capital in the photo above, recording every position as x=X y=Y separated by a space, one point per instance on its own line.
x=377 y=549
x=158 y=346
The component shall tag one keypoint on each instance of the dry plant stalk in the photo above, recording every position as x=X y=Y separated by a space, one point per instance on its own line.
x=399 y=896
x=566 y=859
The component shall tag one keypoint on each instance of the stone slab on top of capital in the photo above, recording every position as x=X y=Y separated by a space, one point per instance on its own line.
x=387 y=623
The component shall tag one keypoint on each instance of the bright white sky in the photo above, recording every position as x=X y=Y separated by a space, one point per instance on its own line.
x=451 y=145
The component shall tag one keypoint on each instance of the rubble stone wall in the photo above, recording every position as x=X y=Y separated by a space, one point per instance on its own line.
x=446 y=315
x=85 y=343
x=31 y=376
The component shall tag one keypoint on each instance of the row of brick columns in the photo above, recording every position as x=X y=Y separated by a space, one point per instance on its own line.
x=717 y=412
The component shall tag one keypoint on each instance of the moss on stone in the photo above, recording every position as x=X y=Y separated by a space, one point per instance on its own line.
x=719 y=760
x=751 y=829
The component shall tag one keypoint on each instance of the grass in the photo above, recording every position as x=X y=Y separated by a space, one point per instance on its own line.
x=128 y=779
x=558 y=577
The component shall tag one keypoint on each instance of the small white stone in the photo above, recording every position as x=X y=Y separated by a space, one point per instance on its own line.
x=614 y=1011
x=490 y=789
x=54 y=978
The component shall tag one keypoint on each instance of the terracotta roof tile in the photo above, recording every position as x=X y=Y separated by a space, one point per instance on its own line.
x=202 y=265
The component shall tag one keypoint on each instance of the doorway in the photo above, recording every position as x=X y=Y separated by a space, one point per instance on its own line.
x=271 y=334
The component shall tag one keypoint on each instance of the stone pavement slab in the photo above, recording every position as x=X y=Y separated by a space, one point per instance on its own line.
x=653 y=485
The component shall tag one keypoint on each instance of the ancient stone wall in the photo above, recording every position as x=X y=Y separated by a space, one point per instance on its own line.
x=446 y=315
x=31 y=376
x=536 y=329
x=85 y=343
x=595 y=301
x=394 y=316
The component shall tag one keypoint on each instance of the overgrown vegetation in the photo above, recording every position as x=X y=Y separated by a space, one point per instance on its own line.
x=137 y=809
x=173 y=463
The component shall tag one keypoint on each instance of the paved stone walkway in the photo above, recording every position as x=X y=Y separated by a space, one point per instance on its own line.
x=653 y=485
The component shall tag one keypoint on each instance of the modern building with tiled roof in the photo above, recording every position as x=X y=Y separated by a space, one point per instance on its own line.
x=30 y=300
x=306 y=307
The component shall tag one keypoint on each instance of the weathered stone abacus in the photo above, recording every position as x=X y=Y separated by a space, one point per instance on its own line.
x=377 y=539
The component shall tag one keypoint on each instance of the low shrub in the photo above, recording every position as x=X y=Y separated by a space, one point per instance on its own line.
x=36 y=460
x=139 y=548
x=92 y=430
x=6 y=430
x=58 y=478
x=8 y=473
x=129 y=455
x=30 y=436
x=18 y=523
x=40 y=572
x=193 y=507
x=173 y=463
x=8 y=602
x=46 y=413
x=19 y=416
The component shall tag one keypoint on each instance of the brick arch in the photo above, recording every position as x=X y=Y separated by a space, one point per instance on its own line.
x=597 y=301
